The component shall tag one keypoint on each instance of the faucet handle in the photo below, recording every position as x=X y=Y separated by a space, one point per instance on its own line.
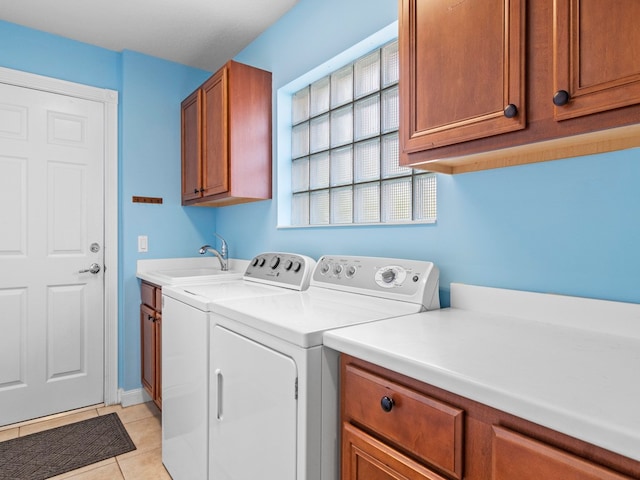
x=224 y=247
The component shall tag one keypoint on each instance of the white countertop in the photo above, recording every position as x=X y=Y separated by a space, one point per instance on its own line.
x=566 y=372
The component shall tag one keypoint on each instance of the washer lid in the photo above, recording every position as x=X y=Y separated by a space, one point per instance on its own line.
x=302 y=317
x=203 y=296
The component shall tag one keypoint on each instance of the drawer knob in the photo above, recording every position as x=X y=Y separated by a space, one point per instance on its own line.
x=386 y=403
x=561 y=97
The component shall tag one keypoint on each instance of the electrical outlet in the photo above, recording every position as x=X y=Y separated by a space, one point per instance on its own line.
x=143 y=243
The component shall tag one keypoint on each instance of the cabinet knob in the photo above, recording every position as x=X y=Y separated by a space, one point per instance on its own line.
x=561 y=97
x=510 y=111
x=386 y=403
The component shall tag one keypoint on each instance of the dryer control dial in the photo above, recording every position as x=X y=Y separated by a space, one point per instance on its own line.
x=390 y=276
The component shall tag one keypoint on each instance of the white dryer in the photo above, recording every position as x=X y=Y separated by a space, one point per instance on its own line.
x=186 y=350
x=274 y=387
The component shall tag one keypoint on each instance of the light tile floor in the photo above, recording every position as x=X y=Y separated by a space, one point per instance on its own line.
x=143 y=425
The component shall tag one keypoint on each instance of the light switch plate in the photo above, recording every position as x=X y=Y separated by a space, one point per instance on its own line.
x=143 y=243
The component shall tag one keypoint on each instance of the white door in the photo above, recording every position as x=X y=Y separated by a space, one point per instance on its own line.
x=253 y=410
x=51 y=228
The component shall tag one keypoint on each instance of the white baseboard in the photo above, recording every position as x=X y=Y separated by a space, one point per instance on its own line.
x=133 y=397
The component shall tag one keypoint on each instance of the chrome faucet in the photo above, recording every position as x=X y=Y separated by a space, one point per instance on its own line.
x=221 y=255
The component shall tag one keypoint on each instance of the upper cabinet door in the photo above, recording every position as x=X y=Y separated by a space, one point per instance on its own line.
x=462 y=67
x=191 y=146
x=597 y=56
x=215 y=145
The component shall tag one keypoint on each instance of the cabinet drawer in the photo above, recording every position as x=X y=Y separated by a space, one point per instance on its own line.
x=148 y=294
x=521 y=457
x=428 y=428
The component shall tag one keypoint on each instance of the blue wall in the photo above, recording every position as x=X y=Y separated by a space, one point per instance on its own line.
x=568 y=226
x=150 y=91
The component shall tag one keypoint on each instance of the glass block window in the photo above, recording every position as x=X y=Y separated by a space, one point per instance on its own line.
x=345 y=149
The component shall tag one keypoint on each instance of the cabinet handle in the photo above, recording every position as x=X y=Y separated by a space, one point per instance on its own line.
x=149 y=317
x=560 y=98
x=202 y=190
x=195 y=190
x=386 y=403
x=510 y=111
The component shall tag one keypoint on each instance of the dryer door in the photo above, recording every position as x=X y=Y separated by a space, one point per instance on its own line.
x=253 y=410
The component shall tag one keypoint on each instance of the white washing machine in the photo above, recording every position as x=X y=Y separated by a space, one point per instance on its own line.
x=186 y=350
x=274 y=407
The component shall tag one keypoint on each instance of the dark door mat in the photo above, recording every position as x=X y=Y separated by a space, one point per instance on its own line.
x=59 y=450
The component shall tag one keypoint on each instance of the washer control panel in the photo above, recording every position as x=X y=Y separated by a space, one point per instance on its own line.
x=288 y=270
x=400 y=279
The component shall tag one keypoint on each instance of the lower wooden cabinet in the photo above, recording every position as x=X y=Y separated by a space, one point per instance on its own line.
x=395 y=427
x=521 y=457
x=151 y=340
x=429 y=429
x=366 y=458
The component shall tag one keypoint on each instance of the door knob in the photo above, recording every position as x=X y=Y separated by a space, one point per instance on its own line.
x=94 y=268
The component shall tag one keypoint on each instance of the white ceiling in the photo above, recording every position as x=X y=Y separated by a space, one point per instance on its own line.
x=199 y=33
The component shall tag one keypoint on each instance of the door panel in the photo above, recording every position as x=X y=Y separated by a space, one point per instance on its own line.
x=191 y=148
x=461 y=65
x=66 y=326
x=254 y=409
x=13 y=305
x=13 y=189
x=51 y=202
x=596 y=55
x=215 y=150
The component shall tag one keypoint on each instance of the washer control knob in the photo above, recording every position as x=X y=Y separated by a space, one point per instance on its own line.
x=388 y=276
x=288 y=264
x=351 y=271
x=391 y=276
x=297 y=266
x=337 y=270
x=325 y=267
x=262 y=262
x=275 y=261
x=255 y=261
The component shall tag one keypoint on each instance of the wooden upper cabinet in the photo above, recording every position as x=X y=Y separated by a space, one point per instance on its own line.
x=597 y=56
x=571 y=69
x=191 y=147
x=462 y=70
x=226 y=135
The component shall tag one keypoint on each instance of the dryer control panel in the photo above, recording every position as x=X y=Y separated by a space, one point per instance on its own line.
x=289 y=270
x=413 y=281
